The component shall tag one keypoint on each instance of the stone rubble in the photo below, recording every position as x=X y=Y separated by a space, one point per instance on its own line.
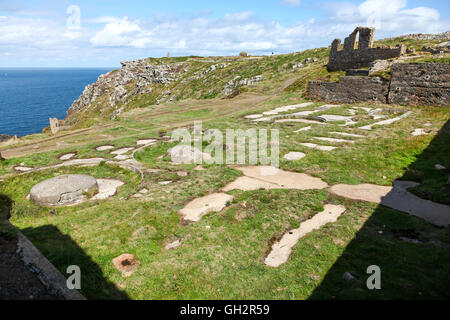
x=113 y=84
x=418 y=132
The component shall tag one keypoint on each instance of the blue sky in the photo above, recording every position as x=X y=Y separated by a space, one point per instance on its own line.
x=44 y=33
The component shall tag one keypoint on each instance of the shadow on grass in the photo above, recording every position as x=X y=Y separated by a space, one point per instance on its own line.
x=5 y=207
x=62 y=252
x=413 y=255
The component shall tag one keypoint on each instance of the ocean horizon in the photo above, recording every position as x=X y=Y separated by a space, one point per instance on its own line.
x=30 y=96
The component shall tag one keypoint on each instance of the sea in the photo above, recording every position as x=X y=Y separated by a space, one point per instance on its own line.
x=29 y=97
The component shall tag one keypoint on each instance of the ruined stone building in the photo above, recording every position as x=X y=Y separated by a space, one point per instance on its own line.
x=359 y=54
x=410 y=83
x=57 y=125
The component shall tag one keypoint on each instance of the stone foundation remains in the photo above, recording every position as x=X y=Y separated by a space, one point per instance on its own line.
x=351 y=90
x=420 y=84
x=410 y=84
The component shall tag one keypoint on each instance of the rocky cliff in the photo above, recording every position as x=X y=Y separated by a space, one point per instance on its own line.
x=148 y=82
x=112 y=90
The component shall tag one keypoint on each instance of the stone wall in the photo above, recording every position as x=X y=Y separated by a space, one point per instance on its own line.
x=351 y=90
x=351 y=57
x=411 y=84
x=420 y=84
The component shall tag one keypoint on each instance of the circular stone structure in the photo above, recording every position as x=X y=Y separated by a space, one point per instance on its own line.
x=64 y=190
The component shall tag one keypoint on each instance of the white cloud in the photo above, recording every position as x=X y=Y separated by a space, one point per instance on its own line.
x=389 y=17
x=112 y=37
x=104 y=19
x=291 y=3
x=121 y=33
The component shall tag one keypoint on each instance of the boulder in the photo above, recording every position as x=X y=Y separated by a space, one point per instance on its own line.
x=64 y=190
x=186 y=155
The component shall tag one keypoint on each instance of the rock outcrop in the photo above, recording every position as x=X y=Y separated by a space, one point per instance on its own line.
x=232 y=85
x=115 y=87
x=428 y=37
x=4 y=137
x=158 y=82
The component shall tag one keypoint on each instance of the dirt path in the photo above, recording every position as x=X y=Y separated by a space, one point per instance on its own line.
x=226 y=107
x=32 y=147
x=286 y=84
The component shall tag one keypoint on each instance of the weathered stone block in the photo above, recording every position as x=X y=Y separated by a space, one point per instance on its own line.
x=411 y=84
x=351 y=90
x=420 y=84
x=357 y=72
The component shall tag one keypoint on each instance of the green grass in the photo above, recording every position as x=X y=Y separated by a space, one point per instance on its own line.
x=222 y=255
x=234 y=245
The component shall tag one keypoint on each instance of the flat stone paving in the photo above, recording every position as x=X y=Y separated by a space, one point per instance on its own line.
x=23 y=169
x=345 y=134
x=293 y=156
x=104 y=148
x=318 y=147
x=250 y=184
x=199 y=207
x=144 y=142
x=303 y=129
x=386 y=122
x=398 y=198
x=335 y=140
x=107 y=188
x=265 y=177
x=282 y=249
x=67 y=156
x=273 y=177
x=122 y=151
